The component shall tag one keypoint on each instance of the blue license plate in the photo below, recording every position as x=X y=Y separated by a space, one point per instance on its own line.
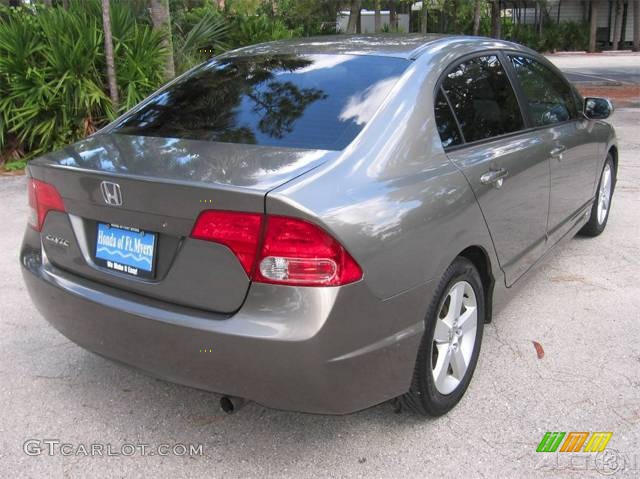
x=126 y=250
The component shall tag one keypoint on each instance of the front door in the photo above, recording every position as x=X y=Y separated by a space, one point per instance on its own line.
x=572 y=154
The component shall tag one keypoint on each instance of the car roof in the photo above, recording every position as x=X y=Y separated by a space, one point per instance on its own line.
x=408 y=46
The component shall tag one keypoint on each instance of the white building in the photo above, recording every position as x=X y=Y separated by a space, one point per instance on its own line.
x=578 y=11
x=367 y=21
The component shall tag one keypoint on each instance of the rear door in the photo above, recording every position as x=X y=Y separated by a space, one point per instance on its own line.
x=506 y=167
x=572 y=152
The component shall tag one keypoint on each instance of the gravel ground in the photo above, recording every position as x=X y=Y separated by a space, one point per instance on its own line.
x=582 y=306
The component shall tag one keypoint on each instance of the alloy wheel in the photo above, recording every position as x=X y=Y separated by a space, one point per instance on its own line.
x=454 y=337
x=604 y=194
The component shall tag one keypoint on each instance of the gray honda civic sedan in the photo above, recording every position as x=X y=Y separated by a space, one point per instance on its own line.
x=319 y=225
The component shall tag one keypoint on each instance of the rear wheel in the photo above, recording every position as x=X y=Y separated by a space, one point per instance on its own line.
x=451 y=343
x=602 y=205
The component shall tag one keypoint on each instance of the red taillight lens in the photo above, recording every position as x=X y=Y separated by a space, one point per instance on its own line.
x=43 y=198
x=300 y=253
x=240 y=232
x=292 y=251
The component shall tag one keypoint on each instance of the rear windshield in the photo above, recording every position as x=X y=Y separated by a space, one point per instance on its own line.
x=311 y=101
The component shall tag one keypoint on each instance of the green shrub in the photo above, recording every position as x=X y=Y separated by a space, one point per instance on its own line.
x=250 y=29
x=52 y=71
x=201 y=29
x=51 y=89
x=567 y=36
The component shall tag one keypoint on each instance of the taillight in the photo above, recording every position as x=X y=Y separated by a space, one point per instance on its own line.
x=292 y=251
x=300 y=253
x=43 y=197
x=240 y=232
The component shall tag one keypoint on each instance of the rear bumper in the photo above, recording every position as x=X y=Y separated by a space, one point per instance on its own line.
x=318 y=350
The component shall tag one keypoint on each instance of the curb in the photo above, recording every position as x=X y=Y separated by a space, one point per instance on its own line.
x=610 y=83
x=611 y=53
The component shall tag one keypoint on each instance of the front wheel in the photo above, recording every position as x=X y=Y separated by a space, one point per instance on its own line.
x=602 y=205
x=451 y=342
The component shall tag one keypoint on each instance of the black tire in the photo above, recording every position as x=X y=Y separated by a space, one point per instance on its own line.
x=593 y=226
x=423 y=396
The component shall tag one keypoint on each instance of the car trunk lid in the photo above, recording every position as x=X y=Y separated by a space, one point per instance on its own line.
x=164 y=184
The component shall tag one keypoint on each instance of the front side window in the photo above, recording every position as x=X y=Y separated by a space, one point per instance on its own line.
x=482 y=99
x=299 y=101
x=550 y=99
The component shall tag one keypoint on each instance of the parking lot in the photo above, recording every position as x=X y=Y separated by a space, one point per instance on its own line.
x=582 y=306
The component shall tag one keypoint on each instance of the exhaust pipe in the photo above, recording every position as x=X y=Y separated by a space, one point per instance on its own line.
x=231 y=404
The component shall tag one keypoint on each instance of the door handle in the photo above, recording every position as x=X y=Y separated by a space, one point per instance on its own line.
x=494 y=176
x=557 y=152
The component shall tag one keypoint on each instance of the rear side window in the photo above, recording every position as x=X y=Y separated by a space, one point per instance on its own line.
x=482 y=98
x=549 y=97
x=311 y=101
x=446 y=123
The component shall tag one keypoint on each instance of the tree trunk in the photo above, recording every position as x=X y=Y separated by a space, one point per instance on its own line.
x=457 y=29
x=617 y=29
x=108 y=51
x=393 y=16
x=558 y=12
x=47 y=3
x=636 y=25
x=496 y=21
x=593 y=25
x=476 y=17
x=161 y=19
x=354 y=13
x=377 y=19
x=423 y=18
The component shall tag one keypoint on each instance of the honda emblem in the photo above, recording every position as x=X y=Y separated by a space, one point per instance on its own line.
x=111 y=193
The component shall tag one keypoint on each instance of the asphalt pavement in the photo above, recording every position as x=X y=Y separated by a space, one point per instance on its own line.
x=604 y=69
x=582 y=306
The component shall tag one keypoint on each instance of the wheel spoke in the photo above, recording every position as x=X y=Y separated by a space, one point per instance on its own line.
x=458 y=364
x=468 y=319
x=441 y=334
x=457 y=296
x=442 y=367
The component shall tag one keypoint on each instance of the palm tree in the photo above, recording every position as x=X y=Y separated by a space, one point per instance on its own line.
x=476 y=16
x=377 y=20
x=161 y=18
x=108 y=50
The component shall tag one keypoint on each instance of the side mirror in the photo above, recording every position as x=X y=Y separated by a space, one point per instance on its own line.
x=597 y=108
